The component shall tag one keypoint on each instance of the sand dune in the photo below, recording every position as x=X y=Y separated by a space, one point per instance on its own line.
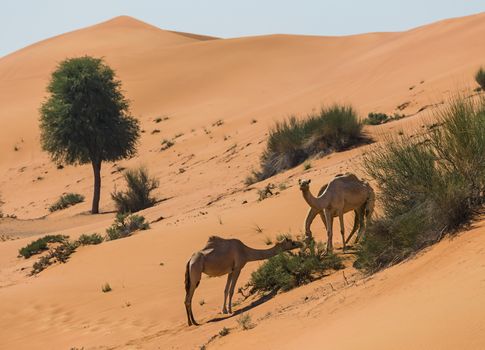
x=195 y=81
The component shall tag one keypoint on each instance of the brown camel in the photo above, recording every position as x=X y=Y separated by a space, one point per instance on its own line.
x=221 y=257
x=343 y=193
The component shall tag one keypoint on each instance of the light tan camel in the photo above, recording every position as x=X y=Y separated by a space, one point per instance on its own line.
x=343 y=193
x=312 y=213
x=225 y=257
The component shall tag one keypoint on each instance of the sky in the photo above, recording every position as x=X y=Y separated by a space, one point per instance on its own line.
x=24 y=22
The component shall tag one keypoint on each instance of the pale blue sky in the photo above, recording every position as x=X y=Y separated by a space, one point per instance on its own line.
x=23 y=22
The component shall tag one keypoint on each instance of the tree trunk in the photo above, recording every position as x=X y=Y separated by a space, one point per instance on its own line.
x=97 y=186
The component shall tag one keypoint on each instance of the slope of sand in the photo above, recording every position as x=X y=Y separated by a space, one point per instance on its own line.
x=247 y=83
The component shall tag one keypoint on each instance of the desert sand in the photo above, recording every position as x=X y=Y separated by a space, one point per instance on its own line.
x=434 y=301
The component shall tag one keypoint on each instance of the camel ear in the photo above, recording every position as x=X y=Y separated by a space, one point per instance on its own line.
x=309 y=181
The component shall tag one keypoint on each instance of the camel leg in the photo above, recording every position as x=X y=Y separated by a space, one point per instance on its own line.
x=362 y=226
x=235 y=276
x=342 y=228
x=357 y=222
x=194 y=273
x=356 y=226
x=226 y=292
x=329 y=219
x=312 y=213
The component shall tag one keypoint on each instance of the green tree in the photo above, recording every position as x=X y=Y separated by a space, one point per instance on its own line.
x=86 y=118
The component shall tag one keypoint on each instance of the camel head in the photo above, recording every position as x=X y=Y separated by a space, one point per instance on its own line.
x=288 y=244
x=304 y=184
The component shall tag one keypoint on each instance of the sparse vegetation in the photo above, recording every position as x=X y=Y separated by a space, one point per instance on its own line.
x=224 y=331
x=480 y=78
x=60 y=253
x=105 y=288
x=138 y=193
x=125 y=225
x=166 y=144
x=381 y=118
x=40 y=245
x=245 y=322
x=266 y=191
x=66 y=200
x=293 y=141
x=219 y=122
x=92 y=239
x=288 y=270
x=307 y=166
x=430 y=185
x=250 y=179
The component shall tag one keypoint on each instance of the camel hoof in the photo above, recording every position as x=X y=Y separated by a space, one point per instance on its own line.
x=224 y=312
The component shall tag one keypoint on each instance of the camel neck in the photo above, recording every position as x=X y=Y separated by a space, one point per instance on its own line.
x=261 y=254
x=311 y=200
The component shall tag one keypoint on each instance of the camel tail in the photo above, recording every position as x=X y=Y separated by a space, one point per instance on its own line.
x=369 y=205
x=187 y=277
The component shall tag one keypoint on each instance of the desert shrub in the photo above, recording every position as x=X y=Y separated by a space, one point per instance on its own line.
x=40 y=265
x=137 y=195
x=245 y=322
x=266 y=192
x=66 y=200
x=292 y=141
x=125 y=225
x=480 y=78
x=86 y=239
x=166 y=144
x=376 y=118
x=288 y=270
x=105 y=288
x=60 y=253
x=430 y=185
x=40 y=245
x=224 y=331
x=381 y=118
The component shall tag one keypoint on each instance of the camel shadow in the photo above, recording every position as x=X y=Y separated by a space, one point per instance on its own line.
x=261 y=300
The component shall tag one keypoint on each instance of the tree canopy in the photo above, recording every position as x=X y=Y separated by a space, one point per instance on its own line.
x=86 y=119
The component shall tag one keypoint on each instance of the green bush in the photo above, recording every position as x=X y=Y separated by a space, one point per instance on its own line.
x=381 y=118
x=293 y=141
x=40 y=245
x=376 y=118
x=480 y=78
x=137 y=196
x=66 y=200
x=430 y=185
x=288 y=270
x=60 y=254
x=91 y=239
x=125 y=225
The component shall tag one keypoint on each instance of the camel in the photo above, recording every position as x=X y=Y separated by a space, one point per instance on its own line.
x=221 y=257
x=342 y=194
x=312 y=213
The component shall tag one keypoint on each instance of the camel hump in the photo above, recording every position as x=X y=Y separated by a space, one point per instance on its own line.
x=215 y=239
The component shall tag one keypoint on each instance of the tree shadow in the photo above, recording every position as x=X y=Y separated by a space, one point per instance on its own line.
x=261 y=300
